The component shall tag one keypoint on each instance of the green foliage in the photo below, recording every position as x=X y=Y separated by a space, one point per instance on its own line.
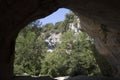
x=73 y=56
x=29 y=52
x=70 y=18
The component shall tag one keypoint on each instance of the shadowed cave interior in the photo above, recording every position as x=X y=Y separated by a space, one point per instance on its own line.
x=99 y=19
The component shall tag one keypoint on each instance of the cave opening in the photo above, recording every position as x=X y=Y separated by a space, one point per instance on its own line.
x=99 y=19
x=55 y=49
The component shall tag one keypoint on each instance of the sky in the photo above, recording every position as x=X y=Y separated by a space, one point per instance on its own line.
x=57 y=16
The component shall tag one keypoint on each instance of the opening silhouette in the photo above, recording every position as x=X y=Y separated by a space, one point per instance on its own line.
x=55 y=49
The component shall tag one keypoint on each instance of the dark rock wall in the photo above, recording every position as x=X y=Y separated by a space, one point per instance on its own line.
x=15 y=15
x=100 y=19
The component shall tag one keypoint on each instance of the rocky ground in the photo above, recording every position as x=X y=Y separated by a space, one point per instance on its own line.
x=64 y=78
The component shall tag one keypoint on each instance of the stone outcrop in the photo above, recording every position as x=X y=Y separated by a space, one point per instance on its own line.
x=55 y=38
x=52 y=40
x=99 y=18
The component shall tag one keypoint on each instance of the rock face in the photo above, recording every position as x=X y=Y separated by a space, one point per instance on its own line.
x=52 y=40
x=100 y=19
x=55 y=38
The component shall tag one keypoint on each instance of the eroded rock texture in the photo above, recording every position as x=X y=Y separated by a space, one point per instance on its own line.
x=101 y=21
x=99 y=18
x=15 y=15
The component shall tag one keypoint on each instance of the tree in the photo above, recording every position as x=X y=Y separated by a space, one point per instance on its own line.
x=72 y=57
x=69 y=18
x=30 y=49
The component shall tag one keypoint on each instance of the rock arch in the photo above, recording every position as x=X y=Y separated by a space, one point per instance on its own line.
x=100 y=19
